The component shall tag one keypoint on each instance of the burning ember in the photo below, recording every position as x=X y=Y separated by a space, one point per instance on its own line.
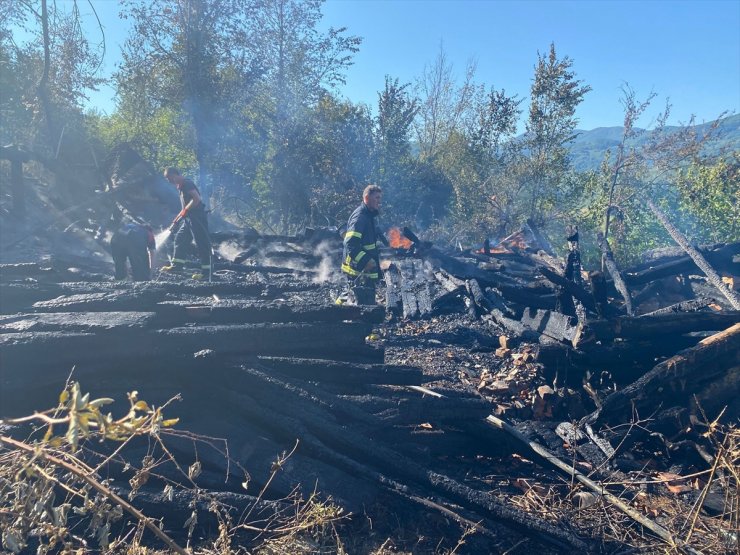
x=397 y=240
x=514 y=241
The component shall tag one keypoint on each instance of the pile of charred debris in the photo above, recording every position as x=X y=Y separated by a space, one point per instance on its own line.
x=501 y=390
x=500 y=399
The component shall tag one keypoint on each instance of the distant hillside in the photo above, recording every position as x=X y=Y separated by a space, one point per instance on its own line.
x=587 y=150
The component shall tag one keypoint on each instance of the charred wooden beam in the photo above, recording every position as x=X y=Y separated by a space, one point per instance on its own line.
x=393 y=300
x=598 y=286
x=607 y=256
x=572 y=288
x=681 y=373
x=668 y=323
x=262 y=269
x=178 y=313
x=696 y=256
x=684 y=306
x=341 y=372
x=559 y=327
x=29 y=354
x=600 y=489
x=720 y=257
x=514 y=328
x=333 y=443
x=86 y=322
x=482 y=303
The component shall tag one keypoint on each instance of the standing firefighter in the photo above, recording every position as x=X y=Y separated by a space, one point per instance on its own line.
x=135 y=243
x=194 y=228
x=360 y=260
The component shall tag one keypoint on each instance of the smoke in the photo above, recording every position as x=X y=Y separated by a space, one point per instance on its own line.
x=229 y=250
x=327 y=270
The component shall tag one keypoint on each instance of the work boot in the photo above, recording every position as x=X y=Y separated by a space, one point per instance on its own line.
x=170 y=268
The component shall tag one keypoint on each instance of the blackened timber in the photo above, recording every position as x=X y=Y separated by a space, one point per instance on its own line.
x=515 y=328
x=598 y=286
x=400 y=467
x=448 y=282
x=426 y=409
x=600 y=489
x=480 y=300
x=553 y=324
x=342 y=372
x=684 y=306
x=393 y=300
x=415 y=293
x=89 y=322
x=344 y=341
x=85 y=296
x=611 y=265
x=23 y=269
x=262 y=269
x=36 y=352
x=696 y=256
x=681 y=373
x=178 y=313
x=669 y=323
x=341 y=446
x=648 y=293
x=721 y=257
x=572 y=288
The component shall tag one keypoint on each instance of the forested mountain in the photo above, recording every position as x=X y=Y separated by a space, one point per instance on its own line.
x=588 y=149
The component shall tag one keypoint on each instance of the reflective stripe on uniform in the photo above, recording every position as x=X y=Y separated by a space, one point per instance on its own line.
x=359 y=256
x=347 y=269
x=352 y=272
x=368 y=247
x=178 y=261
x=353 y=234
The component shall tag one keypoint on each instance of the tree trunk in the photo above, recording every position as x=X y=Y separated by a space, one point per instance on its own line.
x=611 y=266
x=700 y=261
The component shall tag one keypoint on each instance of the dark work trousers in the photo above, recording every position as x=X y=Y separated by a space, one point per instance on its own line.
x=195 y=229
x=363 y=289
x=131 y=244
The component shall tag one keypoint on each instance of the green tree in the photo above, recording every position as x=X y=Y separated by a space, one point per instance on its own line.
x=709 y=194
x=189 y=57
x=555 y=95
x=47 y=70
x=300 y=64
x=394 y=162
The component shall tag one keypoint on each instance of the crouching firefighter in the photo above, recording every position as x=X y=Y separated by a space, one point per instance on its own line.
x=360 y=259
x=194 y=228
x=133 y=242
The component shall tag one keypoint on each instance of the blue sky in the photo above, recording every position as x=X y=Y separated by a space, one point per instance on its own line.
x=685 y=51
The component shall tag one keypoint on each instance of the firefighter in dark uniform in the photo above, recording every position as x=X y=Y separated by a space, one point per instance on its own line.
x=195 y=227
x=135 y=243
x=360 y=259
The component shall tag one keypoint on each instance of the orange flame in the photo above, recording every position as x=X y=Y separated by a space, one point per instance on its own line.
x=397 y=240
x=494 y=250
x=506 y=246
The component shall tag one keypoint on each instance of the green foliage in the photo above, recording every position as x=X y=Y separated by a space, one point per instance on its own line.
x=709 y=193
x=555 y=95
x=241 y=92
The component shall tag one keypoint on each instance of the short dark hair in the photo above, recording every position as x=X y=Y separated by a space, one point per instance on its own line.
x=171 y=171
x=371 y=189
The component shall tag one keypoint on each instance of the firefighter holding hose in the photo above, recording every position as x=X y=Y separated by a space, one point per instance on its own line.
x=193 y=228
x=360 y=258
